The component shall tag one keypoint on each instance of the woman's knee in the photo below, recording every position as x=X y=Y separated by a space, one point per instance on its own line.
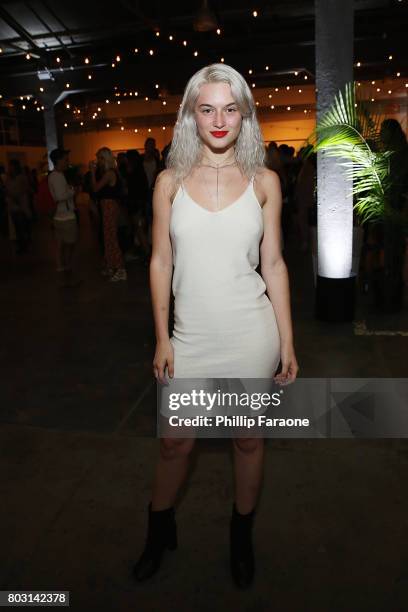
x=172 y=448
x=248 y=445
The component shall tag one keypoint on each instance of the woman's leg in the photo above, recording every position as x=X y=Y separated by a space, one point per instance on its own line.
x=113 y=253
x=171 y=471
x=248 y=465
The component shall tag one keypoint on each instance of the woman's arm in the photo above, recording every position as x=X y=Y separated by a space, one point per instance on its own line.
x=161 y=269
x=274 y=271
x=106 y=178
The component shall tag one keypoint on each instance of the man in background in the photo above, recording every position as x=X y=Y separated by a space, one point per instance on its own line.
x=64 y=219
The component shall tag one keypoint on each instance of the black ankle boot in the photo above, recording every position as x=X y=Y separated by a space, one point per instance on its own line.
x=242 y=554
x=161 y=534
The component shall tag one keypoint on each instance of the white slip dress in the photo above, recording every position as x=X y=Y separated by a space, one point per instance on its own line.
x=224 y=323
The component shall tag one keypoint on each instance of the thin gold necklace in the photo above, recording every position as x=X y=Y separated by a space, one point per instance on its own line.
x=218 y=167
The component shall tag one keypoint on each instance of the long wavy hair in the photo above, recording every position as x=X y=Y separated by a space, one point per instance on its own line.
x=108 y=158
x=186 y=146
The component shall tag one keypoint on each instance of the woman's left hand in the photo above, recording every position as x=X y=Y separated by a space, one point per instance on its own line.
x=290 y=366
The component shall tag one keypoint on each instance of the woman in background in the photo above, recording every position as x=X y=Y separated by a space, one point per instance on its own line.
x=108 y=191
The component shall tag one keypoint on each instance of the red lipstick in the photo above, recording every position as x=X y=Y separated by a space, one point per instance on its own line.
x=219 y=134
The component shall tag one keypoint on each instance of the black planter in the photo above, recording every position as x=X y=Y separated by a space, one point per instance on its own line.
x=335 y=299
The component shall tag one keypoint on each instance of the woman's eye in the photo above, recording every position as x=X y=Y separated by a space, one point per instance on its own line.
x=232 y=110
x=207 y=110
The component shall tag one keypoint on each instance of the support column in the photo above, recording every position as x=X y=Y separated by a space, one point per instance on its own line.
x=51 y=136
x=335 y=289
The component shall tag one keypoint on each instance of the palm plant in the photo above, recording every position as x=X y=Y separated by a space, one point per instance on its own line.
x=349 y=132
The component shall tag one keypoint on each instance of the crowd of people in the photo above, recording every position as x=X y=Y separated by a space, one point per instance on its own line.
x=120 y=191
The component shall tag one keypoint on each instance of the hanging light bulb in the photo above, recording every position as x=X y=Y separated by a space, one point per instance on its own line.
x=205 y=20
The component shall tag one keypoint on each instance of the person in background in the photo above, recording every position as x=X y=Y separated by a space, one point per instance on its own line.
x=138 y=194
x=18 y=202
x=64 y=219
x=305 y=198
x=151 y=165
x=108 y=190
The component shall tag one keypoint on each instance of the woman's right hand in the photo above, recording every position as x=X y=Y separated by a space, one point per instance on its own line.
x=164 y=356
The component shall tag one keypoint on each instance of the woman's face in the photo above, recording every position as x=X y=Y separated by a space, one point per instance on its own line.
x=217 y=116
x=100 y=161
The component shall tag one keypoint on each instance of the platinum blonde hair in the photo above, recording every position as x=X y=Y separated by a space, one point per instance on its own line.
x=186 y=146
x=108 y=158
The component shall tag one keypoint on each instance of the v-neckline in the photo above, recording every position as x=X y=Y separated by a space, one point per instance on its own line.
x=217 y=212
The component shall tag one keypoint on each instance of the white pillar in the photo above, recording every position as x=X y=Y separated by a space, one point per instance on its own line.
x=334 y=68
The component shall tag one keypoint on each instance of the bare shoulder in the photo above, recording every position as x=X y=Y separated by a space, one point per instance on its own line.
x=165 y=183
x=266 y=184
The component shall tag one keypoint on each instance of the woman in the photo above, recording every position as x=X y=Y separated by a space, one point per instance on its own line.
x=211 y=207
x=109 y=191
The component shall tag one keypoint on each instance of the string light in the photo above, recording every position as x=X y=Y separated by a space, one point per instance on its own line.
x=107 y=125
x=358 y=64
x=254 y=13
x=272 y=106
x=195 y=53
x=87 y=60
x=118 y=58
x=136 y=93
x=41 y=89
x=157 y=33
x=113 y=64
x=372 y=82
x=67 y=106
x=218 y=31
x=67 y=85
x=164 y=127
x=82 y=123
x=270 y=96
x=378 y=89
x=389 y=91
x=122 y=128
x=250 y=71
x=390 y=57
x=288 y=107
x=170 y=37
x=146 y=98
x=23 y=107
x=305 y=77
x=135 y=130
x=28 y=56
x=222 y=60
x=157 y=86
x=299 y=90
x=253 y=84
x=266 y=67
x=118 y=101
x=149 y=130
x=287 y=87
x=106 y=101
x=185 y=43
x=136 y=50
x=164 y=102
x=398 y=74
x=276 y=88
x=99 y=109
x=295 y=73
x=58 y=59
x=151 y=52
x=65 y=124
x=89 y=76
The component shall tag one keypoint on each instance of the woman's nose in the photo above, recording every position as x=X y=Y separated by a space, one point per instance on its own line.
x=219 y=121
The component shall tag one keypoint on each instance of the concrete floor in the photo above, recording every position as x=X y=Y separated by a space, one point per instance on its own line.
x=77 y=448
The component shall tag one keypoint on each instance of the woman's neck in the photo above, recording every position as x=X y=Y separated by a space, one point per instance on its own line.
x=217 y=158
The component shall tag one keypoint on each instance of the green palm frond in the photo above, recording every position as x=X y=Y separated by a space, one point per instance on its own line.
x=350 y=133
